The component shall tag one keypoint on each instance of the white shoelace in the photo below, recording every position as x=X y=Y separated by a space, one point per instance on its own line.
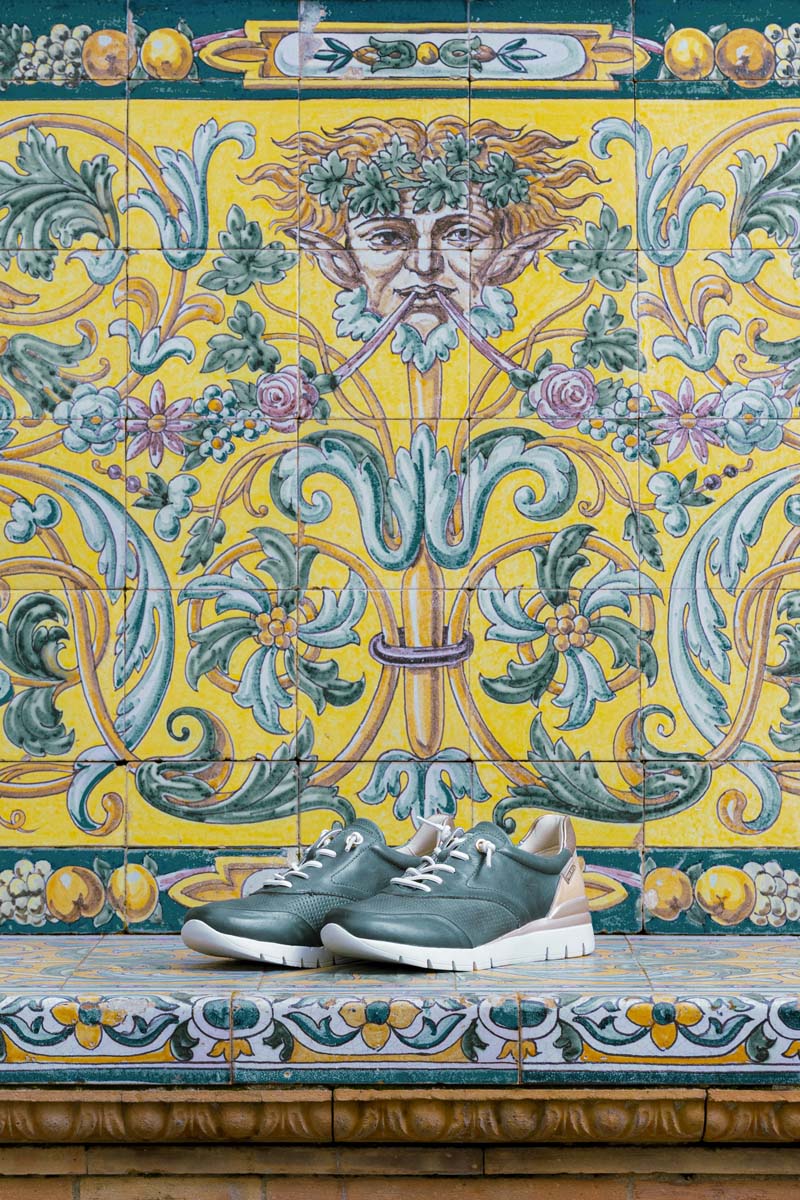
x=422 y=877
x=312 y=856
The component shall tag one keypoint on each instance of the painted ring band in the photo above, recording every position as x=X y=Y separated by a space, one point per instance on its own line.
x=420 y=657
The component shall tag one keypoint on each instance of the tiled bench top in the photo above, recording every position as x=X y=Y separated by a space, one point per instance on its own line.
x=144 y=1009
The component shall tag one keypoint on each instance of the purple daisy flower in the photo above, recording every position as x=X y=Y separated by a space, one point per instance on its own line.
x=157 y=425
x=686 y=419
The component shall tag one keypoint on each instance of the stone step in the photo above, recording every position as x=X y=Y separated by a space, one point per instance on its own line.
x=646 y=1011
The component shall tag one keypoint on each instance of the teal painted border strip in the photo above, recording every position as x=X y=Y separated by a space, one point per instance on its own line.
x=472 y=31
x=167 y=864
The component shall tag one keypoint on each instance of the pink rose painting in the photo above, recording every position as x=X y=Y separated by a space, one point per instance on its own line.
x=286 y=397
x=562 y=395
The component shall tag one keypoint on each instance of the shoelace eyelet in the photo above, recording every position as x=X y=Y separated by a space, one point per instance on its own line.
x=421 y=877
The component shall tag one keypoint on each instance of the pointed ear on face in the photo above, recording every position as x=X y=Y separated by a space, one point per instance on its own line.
x=511 y=260
x=335 y=261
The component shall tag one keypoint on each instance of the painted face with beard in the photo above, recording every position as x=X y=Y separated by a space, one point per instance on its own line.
x=455 y=251
x=446 y=251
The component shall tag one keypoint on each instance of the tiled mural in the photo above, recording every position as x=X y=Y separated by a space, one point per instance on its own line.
x=394 y=419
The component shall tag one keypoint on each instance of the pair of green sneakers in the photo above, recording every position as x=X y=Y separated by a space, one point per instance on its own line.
x=446 y=900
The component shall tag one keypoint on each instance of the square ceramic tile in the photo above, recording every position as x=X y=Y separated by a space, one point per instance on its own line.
x=46 y=145
x=65 y=498
x=368 y=164
x=58 y=312
x=50 y=802
x=228 y=170
x=574 y=159
x=430 y=51
x=395 y=790
x=710 y=147
x=716 y=334
x=362 y=488
x=189 y=659
x=526 y=472
x=541 y=46
x=386 y=664
x=604 y=799
x=377 y=316
x=208 y=802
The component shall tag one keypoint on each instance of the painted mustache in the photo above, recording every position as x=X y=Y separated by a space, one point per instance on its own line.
x=425 y=293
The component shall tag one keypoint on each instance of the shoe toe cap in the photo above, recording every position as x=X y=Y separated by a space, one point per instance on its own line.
x=237 y=918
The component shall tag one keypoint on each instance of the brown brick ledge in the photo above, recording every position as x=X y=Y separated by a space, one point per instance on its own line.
x=414 y=1116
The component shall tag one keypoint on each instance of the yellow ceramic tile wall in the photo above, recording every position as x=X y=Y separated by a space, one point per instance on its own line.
x=410 y=447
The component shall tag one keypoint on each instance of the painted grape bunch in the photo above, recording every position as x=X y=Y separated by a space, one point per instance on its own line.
x=764 y=894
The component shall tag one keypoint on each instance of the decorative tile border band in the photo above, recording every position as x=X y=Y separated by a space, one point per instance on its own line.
x=75 y=1116
x=150 y=889
x=657 y=1116
x=266 y=54
x=391 y=1035
x=407 y=1116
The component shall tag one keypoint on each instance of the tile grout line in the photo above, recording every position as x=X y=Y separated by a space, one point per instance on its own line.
x=77 y=966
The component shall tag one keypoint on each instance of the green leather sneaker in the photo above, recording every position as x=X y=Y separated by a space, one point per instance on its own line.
x=477 y=902
x=280 y=923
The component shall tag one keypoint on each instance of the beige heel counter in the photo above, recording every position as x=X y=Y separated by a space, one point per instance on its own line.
x=570 y=898
x=568 y=839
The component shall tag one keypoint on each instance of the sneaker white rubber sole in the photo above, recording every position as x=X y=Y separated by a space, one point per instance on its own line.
x=201 y=937
x=541 y=945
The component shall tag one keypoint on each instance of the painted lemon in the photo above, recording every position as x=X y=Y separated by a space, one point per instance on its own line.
x=727 y=894
x=167 y=54
x=689 y=54
x=427 y=53
x=747 y=57
x=108 y=56
x=74 y=892
x=667 y=893
x=133 y=892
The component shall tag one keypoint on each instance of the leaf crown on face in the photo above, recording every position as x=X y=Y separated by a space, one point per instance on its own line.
x=377 y=186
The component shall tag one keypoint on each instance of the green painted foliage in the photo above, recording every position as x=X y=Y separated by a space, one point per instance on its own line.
x=48 y=199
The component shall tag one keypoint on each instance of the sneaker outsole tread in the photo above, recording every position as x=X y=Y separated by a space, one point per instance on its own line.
x=540 y=946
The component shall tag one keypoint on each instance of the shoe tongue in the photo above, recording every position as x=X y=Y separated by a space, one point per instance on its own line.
x=488 y=830
x=371 y=832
